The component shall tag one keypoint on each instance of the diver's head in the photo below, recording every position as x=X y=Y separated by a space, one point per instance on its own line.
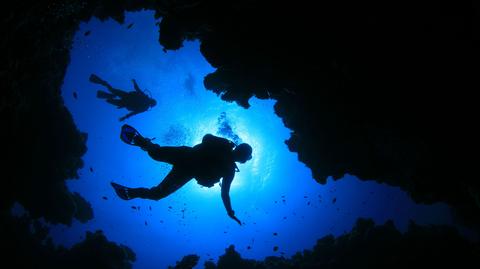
x=153 y=102
x=242 y=153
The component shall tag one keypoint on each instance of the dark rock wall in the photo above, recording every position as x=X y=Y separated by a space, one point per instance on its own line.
x=382 y=91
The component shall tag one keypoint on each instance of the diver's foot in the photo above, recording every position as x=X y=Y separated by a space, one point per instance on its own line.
x=121 y=191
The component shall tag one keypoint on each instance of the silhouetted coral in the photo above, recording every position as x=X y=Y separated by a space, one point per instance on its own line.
x=187 y=262
x=25 y=244
x=370 y=246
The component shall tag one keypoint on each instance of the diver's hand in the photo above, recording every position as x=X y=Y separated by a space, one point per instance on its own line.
x=231 y=214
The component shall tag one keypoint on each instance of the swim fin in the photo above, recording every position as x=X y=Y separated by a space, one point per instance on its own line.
x=128 y=134
x=96 y=79
x=121 y=191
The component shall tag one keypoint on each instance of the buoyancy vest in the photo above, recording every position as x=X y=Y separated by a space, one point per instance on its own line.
x=214 y=159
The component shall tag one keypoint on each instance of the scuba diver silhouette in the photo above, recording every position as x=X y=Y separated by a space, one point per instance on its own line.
x=207 y=162
x=134 y=101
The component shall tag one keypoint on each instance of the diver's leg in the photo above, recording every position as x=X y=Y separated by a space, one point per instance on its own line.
x=171 y=155
x=115 y=102
x=117 y=92
x=104 y=95
x=172 y=182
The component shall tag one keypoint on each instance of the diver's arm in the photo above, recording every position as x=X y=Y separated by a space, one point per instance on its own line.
x=135 y=85
x=128 y=115
x=226 y=182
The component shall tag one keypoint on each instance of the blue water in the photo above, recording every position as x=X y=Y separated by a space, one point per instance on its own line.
x=273 y=193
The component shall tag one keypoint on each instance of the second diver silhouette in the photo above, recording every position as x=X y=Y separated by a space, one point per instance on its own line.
x=207 y=162
x=135 y=101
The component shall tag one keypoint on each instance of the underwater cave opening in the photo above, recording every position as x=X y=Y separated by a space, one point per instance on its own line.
x=284 y=209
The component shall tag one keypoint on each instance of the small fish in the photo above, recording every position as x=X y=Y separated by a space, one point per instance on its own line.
x=334 y=200
x=169 y=207
x=275 y=248
x=75 y=95
x=87 y=33
x=150 y=207
x=91 y=169
x=134 y=207
x=249 y=247
x=104 y=198
x=130 y=26
x=146 y=223
x=275 y=234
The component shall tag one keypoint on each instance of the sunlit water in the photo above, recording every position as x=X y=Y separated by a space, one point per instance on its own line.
x=272 y=193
